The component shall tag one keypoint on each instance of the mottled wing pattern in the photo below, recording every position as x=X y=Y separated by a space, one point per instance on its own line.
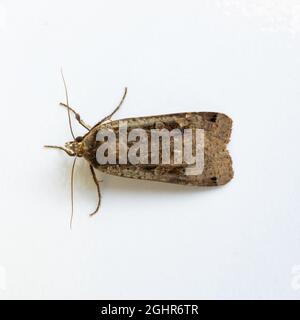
x=217 y=161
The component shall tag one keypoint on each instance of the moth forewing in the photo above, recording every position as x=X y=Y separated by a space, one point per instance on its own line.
x=162 y=162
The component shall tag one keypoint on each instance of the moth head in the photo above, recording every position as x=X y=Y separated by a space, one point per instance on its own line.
x=75 y=146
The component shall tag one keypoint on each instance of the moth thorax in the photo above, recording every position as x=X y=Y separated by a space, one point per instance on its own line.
x=75 y=147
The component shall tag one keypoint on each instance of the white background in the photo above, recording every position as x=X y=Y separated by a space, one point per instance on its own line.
x=150 y=240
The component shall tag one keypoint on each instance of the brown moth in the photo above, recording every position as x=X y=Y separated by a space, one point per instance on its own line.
x=217 y=169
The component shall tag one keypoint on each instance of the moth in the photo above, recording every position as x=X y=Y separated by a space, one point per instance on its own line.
x=216 y=131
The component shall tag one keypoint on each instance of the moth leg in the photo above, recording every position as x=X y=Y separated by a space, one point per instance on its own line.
x=98 y=190
x=77 y=116
x=115 y=110
x=70 y=153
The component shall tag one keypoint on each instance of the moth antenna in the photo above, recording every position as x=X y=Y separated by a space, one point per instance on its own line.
x=70 y=153
x=72 y=191
x=67 y=98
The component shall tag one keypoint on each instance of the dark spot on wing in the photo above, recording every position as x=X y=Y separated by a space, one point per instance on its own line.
x=213 y=117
